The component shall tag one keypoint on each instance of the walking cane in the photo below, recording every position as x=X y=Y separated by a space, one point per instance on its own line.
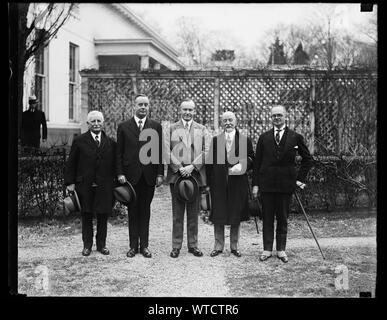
x=256 y=224
x=307 y=220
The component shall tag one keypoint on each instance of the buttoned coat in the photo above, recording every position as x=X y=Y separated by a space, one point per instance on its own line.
x=30 y=128
x=229 y=193
x=129 y=147
x=182 y=150
x=274 y=166
x=88 y=164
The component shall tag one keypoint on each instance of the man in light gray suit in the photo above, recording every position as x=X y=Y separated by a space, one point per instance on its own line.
x=186 y=149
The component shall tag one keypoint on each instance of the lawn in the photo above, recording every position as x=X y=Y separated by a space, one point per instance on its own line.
x=347 y=238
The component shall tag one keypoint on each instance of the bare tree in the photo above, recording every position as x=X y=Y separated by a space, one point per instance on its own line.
x=370 y=28
x=198 y=45
x=36 y=24
x=190 y=39
x=325 y=41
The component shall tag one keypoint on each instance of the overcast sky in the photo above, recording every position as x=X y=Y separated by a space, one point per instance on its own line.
x=246 y=21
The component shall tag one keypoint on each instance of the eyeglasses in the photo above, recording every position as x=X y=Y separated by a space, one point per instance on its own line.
x=277 y=115
x=141 y=104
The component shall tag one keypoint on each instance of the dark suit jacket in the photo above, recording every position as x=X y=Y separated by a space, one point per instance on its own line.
x=276 y=172
x=128 y=151
x=31 y=122
x=229 y=193
x=88 y=163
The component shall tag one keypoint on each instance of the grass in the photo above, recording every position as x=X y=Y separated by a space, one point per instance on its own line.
x=306 y=275
x=57 y=244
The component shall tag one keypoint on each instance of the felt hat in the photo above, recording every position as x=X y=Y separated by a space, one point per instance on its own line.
x=186 y=188
x=205 y=201
x=125 y=193
x=72 y=203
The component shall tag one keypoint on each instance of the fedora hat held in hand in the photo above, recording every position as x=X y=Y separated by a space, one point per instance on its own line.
x=125 y=193
x=186 y=188
x=72 y=203
x=205 y=200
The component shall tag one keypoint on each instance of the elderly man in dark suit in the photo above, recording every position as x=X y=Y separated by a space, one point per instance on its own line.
x=90 y=170
x=276 y=178
x=186 y=147
x=32 y=120
x=231 y=155
x=144 y=173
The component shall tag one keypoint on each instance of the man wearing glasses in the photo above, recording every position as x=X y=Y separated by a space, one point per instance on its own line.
x=276 y=178
x=142 y=174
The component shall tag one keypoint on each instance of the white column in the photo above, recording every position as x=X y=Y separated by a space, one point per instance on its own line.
x=144 y=62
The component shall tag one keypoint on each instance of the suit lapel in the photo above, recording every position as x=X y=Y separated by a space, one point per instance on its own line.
x=104 y=140
x=186 y=136
x=287 y=137
x=89 y=139
x=235 y=144
x=132 y=125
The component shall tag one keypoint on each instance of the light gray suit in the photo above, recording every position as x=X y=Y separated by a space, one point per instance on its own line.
x=183 y=149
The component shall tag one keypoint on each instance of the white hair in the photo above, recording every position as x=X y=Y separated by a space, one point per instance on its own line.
x=228 y=113
x=95 y=114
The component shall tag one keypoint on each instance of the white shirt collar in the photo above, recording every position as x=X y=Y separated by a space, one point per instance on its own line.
x=94 y=134
x=137 y=119
x=282 y=128
x=189 y=123
x=230 y=134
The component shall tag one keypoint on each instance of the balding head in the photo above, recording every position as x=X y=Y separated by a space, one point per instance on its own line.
x=95 y=114
x=95 y=121
x=187 y=109
x=229 y=121
x=278 y=115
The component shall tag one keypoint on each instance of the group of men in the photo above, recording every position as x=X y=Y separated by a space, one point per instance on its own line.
x=216 y=164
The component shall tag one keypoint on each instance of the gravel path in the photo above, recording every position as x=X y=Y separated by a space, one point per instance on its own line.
x=161 y=275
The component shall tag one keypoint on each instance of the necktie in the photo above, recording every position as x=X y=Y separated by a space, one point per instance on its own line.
x=187 y=134
x=228 y=143
x=277 y=136
x=97 y=140
x=140 y=124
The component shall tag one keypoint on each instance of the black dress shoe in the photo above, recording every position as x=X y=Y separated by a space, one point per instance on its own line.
x=283 y=259
x=236 y=253
x=195 y=251
x=86 y=252
x=131 y=253
x=104 y=250
x=146 y=253
x=175 y=253
x=214 y=253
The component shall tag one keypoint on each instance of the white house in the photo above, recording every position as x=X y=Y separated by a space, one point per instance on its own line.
x=96 y=36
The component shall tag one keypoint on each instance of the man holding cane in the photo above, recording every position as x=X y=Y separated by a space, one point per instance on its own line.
x=276 y=178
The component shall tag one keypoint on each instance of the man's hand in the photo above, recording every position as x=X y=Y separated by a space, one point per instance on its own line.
x=159 y=181
x=235 y=169
x=121 y=179
x=187 y=170
x=300 y=184
x=71 y=187
x=255 y=192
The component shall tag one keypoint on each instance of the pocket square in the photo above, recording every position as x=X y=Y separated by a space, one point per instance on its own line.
x=296 y=147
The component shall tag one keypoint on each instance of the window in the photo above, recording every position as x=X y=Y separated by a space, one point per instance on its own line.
x=41 y=91
x=73 y=80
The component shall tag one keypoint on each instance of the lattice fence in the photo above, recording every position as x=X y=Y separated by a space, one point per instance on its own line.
x=336 y=112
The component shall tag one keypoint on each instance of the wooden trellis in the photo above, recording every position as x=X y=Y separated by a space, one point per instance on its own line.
x=336 y=111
